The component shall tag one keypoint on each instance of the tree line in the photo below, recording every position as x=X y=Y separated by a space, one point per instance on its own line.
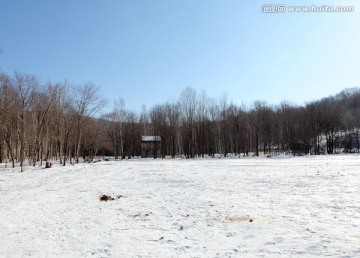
x=43 y=121
x=196 y=125
x=46 y=121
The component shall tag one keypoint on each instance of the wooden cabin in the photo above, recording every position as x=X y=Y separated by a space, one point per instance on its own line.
x=150 y=146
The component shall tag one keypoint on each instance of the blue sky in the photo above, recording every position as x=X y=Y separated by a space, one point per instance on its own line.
x=148 y=51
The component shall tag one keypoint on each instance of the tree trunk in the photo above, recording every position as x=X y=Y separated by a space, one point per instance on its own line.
x=257 y=144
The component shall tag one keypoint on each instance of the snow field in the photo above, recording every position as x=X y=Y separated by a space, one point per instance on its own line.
x=303 y=206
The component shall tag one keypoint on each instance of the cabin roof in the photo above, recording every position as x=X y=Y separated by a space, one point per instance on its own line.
x=147 y=138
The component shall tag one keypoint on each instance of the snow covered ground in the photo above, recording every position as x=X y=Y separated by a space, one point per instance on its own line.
x=275 y=207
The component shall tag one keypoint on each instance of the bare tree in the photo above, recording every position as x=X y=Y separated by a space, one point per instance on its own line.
x=144 y=121
x=188 y=105
x=160 y=124
x=7 y=103
x=202 y=117
x=132 y=136
x=26 y=86
x=315 y=115
x=86 y=105
x=224 y=128
x=115 y=127
x=213 y=127
x=40 y=119
x=173 y=121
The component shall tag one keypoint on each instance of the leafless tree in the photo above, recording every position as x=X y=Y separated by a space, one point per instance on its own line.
x=7 y=104
x=172 y=110
x=43 y=100
x=158 y=117
x=188 y=105
x=26 y=86
x=87 y=103
x=132 y=136
x=115 y=127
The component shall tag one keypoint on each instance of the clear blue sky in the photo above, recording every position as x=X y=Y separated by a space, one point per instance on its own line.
x=148 y=51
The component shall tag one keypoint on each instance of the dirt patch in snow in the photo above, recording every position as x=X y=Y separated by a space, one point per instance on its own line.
x=106 y=198
x=239 y=219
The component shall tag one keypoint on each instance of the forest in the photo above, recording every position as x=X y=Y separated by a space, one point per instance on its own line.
x=63 y=121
